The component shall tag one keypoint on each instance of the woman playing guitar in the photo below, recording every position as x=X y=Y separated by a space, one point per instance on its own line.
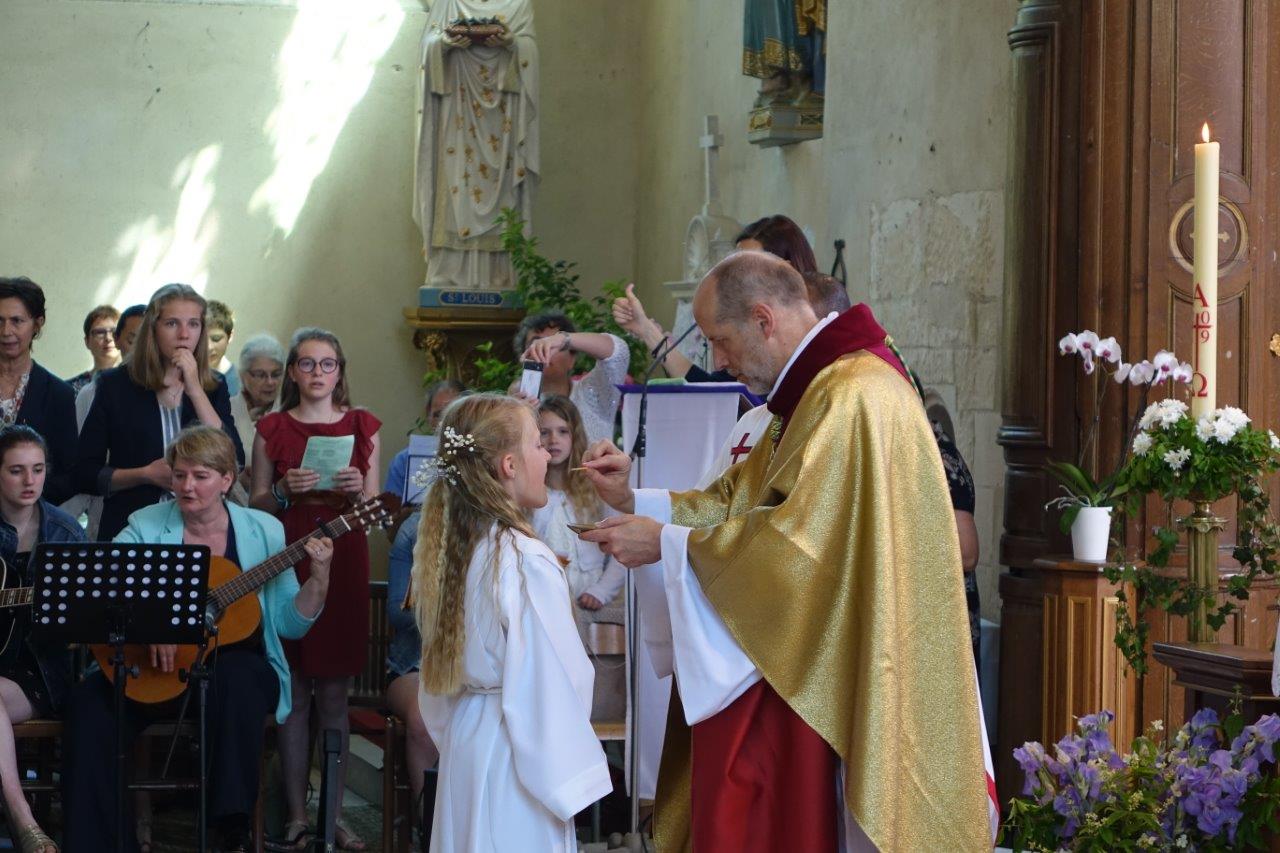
x=250 y=679
x=34 y=678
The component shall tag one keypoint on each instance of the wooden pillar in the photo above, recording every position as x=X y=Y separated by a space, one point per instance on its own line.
x=1106 y=99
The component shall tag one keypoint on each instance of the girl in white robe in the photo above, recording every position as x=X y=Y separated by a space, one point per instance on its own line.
x=506 y=683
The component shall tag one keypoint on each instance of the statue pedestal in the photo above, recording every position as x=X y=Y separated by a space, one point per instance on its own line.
x=784 y=124
x=449 y=336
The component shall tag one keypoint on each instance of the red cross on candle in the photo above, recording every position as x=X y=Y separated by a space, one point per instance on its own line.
x=742 y=449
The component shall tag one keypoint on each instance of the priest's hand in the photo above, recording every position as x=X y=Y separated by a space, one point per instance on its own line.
x=609 y=470
x=632 y=540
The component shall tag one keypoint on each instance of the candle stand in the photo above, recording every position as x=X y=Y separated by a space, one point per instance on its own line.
x=1202 y=528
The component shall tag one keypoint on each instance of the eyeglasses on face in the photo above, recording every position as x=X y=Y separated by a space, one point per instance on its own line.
x=309 y=365
x=101 y=334
x=274 y=375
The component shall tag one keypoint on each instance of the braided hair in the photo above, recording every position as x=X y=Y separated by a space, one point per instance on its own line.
x=460 y=510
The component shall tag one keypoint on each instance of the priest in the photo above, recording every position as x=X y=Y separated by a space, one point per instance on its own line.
x=827 y=698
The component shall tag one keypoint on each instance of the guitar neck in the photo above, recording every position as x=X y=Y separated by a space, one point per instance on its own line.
x=251 y=580
x=15 y=597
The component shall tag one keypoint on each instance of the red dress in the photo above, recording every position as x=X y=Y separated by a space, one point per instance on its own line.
x=336 y=645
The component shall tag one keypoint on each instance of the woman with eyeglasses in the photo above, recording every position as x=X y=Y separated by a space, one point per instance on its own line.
x=140 y=407
x=314 y=402
x=261 y=370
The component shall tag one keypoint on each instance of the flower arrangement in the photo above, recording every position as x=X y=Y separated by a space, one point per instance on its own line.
x=1201 y=460
x=1102 y=358
x=1205 y=789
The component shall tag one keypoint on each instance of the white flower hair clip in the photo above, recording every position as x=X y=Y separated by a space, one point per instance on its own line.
x=452 y=445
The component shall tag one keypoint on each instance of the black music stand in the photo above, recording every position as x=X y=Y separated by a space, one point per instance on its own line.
x=124 y=594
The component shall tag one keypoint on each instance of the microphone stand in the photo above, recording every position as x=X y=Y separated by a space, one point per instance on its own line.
x=638 y=449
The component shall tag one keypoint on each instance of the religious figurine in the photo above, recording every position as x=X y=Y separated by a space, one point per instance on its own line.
x=477 y=150
x=785 y=45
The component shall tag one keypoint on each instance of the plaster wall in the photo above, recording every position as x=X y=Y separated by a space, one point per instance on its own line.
x=910 y=173
x=261 y=150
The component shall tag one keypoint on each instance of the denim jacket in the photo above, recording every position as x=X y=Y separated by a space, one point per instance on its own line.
x=404 y=652
x=56 y=526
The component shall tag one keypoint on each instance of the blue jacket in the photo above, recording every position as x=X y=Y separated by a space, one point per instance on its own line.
x=258 y=536
x=54 y=660
x=404 y=652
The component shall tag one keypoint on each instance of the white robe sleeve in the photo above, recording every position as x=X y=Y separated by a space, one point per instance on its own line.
x=546 y=694
x=711 y=668
x=655 y=620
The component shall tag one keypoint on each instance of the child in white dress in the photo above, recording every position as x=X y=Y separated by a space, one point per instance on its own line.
x=595 y=579
x=506 y=685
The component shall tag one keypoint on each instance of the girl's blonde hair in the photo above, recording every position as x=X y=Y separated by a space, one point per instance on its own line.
x=463 y=504
x=145 y=364
x=582 y=495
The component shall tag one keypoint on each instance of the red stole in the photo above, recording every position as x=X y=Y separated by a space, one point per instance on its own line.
x=855 y=329
x=762 y=779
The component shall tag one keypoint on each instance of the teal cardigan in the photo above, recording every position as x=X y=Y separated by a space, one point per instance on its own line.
x=258 y=536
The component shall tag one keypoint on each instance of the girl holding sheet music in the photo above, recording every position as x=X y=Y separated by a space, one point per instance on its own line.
x=315 y=404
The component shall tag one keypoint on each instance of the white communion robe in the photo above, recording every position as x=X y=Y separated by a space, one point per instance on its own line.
x=518 y=755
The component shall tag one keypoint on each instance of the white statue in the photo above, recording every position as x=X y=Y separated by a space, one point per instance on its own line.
x=477 y=147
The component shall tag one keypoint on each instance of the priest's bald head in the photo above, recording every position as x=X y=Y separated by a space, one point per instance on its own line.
x=754 y=309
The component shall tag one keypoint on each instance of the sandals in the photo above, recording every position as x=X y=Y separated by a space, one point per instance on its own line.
x=297 y=836
x=34 y=840
x=345 y=838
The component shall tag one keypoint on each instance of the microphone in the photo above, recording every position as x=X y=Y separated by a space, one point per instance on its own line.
x=638 y=449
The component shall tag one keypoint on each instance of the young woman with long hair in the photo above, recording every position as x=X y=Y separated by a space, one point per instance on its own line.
x=315 y=402
x=506 y=683
x=140 y=407
x=34 y=676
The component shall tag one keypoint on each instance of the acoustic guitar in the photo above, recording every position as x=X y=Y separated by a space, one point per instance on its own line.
x=231 y=604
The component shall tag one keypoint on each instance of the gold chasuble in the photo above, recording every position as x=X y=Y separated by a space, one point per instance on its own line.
x=833 y=559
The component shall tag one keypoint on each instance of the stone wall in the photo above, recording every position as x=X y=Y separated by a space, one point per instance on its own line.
x=910 y=172
x=936 y=284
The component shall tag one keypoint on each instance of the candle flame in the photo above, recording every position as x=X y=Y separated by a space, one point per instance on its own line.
x=1204 y=132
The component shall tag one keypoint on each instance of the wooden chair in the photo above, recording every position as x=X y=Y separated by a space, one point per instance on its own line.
x=371 y=718
x=606 y=639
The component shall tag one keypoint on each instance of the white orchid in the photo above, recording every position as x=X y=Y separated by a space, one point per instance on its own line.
x=1069 y=345
x=1088 y=342
x=1141 y=444
x=1142 y=373
x=1108 y=350
x=1165 y=363
x=1182 y=373
x=1175 y=459
x=1122 y=372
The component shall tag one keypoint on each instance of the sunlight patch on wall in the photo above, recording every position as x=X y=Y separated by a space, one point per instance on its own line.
x=324 y=70
x=156 y=254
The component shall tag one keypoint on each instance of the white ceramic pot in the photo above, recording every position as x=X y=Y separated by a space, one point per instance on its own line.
x=1091 y=532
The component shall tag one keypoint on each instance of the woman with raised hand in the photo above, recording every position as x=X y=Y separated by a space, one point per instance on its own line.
x=140 y=407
